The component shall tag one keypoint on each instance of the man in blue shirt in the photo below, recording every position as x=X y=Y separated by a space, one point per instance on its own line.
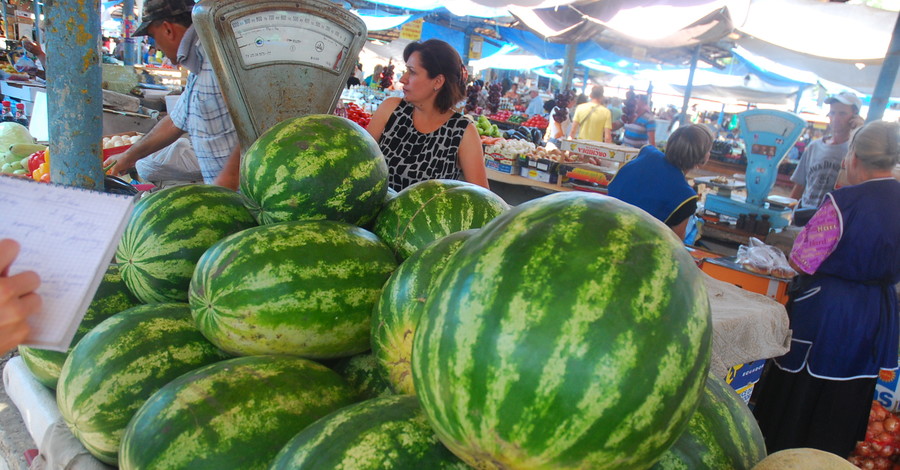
x=536 y=105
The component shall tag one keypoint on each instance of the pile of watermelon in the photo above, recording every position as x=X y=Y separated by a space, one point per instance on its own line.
x=881 y=448
x=316 y=321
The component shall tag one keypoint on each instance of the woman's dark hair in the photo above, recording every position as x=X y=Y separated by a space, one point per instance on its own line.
x=688 y=146
x=440 y=58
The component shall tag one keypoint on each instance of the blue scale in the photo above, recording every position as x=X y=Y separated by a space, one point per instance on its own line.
x=768 y=136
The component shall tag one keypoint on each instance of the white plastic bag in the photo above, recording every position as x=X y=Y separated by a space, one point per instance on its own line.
x=175 y=163
x=764 y=259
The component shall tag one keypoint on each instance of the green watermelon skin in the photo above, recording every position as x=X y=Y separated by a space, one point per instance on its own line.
x=112 y=297
x=722 y=434
x=304 y=288
x=317 y=166
x=387 y=433
x=236 y=414
x=167 y=233
x=362 y=373
x=571 y=332
x=120 y=364
x=430 y=210
x=402 y=304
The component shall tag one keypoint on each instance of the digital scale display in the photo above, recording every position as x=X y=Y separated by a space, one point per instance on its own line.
x=291 y=36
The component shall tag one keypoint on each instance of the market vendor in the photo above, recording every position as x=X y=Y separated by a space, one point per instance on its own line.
x=420 y=135
x=656 y=182
x=201 y=109
x=18 y=299
x=843 y=308
x=536 y=105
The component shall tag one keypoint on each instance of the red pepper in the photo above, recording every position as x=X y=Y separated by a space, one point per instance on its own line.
x=35 y=160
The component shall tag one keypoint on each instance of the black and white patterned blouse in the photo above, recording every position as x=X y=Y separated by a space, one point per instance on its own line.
x=413 y=156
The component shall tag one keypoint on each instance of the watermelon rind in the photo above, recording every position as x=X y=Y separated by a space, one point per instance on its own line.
x=402 y=304
x=571 y=332
x=432 y=209
x=362 y=373
x=168 y=232
x=237 y=413
x=304 y=288
x=112 y=297
x=119 y=364
x=377 y=434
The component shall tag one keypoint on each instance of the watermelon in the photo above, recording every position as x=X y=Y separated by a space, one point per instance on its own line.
x=433 y=209
x=317 y=166
x=402 y=303
x=362 y=373
x=304 y=288
x=119 y=364
x=722 y=434
x=236 y=414
x=167 y=233
x=572 y=331
x=381 y=433
x=112 y=297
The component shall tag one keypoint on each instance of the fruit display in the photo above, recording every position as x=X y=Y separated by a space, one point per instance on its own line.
x=304 y=288
x=803 y=459
x=17 y=148
x=388 y=432
x=494 y=91
x=362 y=374
x=514 y=370
x=317 y=166
x=509 y=148
x=881 y=448
x=119 y=364
x=429 y=210
x=502 y=115
x=537 y=121
x=356 y=114
x=472 y=92
x=485 y=128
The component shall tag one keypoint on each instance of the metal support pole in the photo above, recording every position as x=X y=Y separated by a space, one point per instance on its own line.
x=799 y=95
x=690 y=86
x=6 y=26
x=569 y=66
x=74 y=99
x=131 y=43
x=886 y=77
x=38 y=34
x=467 y=45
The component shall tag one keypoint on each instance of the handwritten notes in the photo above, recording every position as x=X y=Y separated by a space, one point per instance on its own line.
x=68 y=237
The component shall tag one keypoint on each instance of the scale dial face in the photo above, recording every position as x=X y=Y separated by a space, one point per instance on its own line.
x=291 y=36
x=769 y=123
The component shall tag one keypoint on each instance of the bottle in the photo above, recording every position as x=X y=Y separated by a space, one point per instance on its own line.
x=7 y=114
x=20 y=114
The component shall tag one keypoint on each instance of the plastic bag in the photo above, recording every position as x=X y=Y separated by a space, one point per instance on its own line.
x=764 y=259
x=26 y=65
x=175 y=163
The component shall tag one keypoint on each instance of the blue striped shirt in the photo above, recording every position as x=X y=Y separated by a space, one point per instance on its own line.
x=636 y=133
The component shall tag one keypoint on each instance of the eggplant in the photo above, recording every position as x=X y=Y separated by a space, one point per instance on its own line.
x=537 y=136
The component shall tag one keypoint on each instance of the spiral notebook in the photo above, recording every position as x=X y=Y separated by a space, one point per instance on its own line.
x=68 y=236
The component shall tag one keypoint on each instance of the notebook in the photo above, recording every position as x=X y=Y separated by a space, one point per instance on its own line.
x=68 y=236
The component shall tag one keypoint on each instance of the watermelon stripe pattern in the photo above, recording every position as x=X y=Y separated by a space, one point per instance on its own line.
x=304 y=288
x=382 y=433
x=573 y=331
x=362 y=373
x=167 y=233
x=120 y=363
x=236 y=414
x=722 y=434
x=402 y=304
x=430 y=210
x=315 y=167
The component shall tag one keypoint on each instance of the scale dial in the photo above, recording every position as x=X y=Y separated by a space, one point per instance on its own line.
x=291 y=36
x=770 y=123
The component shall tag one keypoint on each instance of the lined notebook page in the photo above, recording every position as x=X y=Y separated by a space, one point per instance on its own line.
x=68 y=237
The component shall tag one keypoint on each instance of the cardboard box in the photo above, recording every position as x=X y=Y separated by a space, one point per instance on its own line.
x=612 y=152
x=588 y=173
x=538 y=175
x=501 y=167
x=743 y=377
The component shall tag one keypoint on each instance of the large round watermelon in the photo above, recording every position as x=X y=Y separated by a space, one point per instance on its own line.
x=317 y=166
x=233 y=414
x=573 y=331
x=402 y=303
x=120 y=363
x=304 y=288
x=433 y=209
x=362 y=373
x=112 y=297
x=167 y=233
x=377 y=434
x=722 y=434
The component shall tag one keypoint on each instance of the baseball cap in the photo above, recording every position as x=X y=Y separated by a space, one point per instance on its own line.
x=159 y=10
x=845 y=97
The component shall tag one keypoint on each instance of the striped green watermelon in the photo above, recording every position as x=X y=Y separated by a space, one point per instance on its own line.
x=112 y=297
x=119 y=364
x=573 y=331
x=402 y=303
x=429 y=210
x=233 y=414
x=317 y=166
x=304 y=288
x=377 y=434
x=361 y=372
x=167 y=233
x=722 y=434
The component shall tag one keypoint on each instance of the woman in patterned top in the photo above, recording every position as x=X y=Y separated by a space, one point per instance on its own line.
x=420 y=135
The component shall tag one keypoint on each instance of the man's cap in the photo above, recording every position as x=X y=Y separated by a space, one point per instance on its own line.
x=845 y=97
x=159 y=10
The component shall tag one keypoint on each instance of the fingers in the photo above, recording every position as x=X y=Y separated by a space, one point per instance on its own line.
x=9 y=249
x=16 y=287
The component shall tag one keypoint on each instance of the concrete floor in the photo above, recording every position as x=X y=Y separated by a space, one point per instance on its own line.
x=14 y=437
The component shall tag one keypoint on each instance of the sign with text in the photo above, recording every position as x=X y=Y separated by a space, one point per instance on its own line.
x=412 y=30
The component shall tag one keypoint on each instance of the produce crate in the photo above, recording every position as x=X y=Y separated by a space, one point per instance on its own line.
x=496 y=165
x=887 y=390
x=616 y=153
x=538 y=175
x=117 y=150
x=743 y=378
x=587 y=172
